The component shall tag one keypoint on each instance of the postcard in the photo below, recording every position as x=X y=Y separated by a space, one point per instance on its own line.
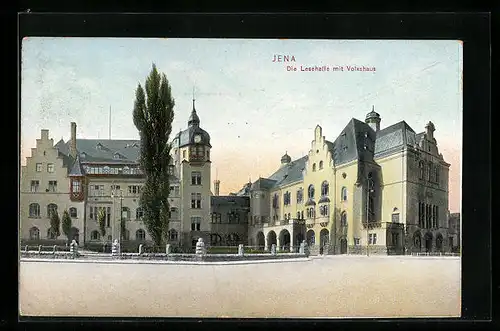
x=247 y=178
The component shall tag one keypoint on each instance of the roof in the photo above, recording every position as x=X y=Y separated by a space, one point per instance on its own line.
x=394 y=138
x=289 y=173
x=263 y=184
x=104 y=150
x=237 y=201
x=77 y=170
x=245 y=190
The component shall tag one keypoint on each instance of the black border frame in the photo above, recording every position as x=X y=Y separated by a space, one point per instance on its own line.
x=472 y=28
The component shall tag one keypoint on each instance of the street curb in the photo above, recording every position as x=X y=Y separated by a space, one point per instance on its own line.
x=163 y=262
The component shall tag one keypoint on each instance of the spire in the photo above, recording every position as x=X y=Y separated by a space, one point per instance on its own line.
x=193 y=99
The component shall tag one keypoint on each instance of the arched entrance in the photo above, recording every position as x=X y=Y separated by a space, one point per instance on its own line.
x=271 y=239
x=261 y=240
x=417 y=242
x=324 y=237
x=343 y=246
x=439 y=243
x=285 y=240
x=428 y=242
x=310 y=238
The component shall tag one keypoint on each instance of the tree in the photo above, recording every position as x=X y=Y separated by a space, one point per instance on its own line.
x=153 y=114
x=66 y=224
x=101 y=221
x=55 y=223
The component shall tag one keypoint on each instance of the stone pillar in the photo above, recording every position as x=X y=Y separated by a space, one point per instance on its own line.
x=273 y=249
x=141 y=249
x=266 y=244
x=168 y=249
x=241 y=251
x=73 y=248
x=39 y=249
x=54 y=249
x=115 y=249
x=302 y=248
x=200 y=247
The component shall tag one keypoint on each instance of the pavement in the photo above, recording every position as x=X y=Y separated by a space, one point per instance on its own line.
x=323 y=286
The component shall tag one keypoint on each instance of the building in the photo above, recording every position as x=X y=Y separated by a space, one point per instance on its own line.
x=454 y=231
x=381 y=191
x=372 y=190
x=84 y=176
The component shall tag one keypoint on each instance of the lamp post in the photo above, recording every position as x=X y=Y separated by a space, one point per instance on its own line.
x=369 y=184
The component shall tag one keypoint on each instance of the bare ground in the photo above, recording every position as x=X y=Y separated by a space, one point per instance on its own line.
x=337 y=286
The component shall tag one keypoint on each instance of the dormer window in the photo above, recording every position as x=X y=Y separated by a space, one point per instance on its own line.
x=117 y=156
x=99 y=146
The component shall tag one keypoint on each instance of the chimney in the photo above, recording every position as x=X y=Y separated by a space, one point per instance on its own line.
x=216 y=187
x=72 y=142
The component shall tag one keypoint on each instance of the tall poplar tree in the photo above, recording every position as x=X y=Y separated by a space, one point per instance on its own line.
x=153 y=116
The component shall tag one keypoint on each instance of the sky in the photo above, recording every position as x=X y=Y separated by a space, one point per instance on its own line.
x=254 y=109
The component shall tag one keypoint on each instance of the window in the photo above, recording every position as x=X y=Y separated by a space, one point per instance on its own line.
x=356 y=241
x=428 y=216
x=323 y=210
x=34 y=210
x=75 y=188
x=372 y=239
x=343 y=219
x=38 y=167
x=50 y=167
x=52 y=186
x=34 y=233
x=437 y=216
x=95 y=235
x=310 y=192
x=172 y=235
x=325 y=189
x=139 y=213
x=298 y=215
x=302 y=215
x=395 y=238
x=395 y=218
x=105 y=170
x=287 y=197
x=216 y=217
x=314 y=166
x=97 y=190
x=437 y=173
x=140 y=235
x=51 y=208
x=35 y=184
x=196 y=200
x=115 y=188
x=421 y=169
x=300 y=195
x=73 y=212
x=310 y=213
x=421 y=215
x=195 y=223
x=108 y=216
x=126 y=234
x=134 y=189
x=320 y=165
x=208 y=154
x=276 y=201
x=343 y=194
x=429 y=172
x=196 y=178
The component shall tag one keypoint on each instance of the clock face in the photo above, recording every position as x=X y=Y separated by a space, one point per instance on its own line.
x=197 y=138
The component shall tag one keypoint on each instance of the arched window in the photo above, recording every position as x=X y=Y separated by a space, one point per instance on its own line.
x=343 y=219
x=289 y=216
x=139 y=213
x=325 y=189
x=95 y=235
x=312 y=213
x=34 y=233
x=140 y=234
x=429 y=172
x=343 y=194
x=34 y=210
x=310 y=192
x=421 y=169
x=302 y=215
x=300 y=195
x=275 y=201
x=314 y=166
x=298 y=215
x=51 y=208
x=323 y=210
x=437 y=173
x=172 y=235
x=287 y=198
x=320 y=165
x=73 y=212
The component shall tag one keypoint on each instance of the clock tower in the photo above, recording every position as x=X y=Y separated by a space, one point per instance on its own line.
x=191 y=155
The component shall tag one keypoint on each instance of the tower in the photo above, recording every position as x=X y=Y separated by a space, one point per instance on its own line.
x=193 y=146
x=373 y=120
